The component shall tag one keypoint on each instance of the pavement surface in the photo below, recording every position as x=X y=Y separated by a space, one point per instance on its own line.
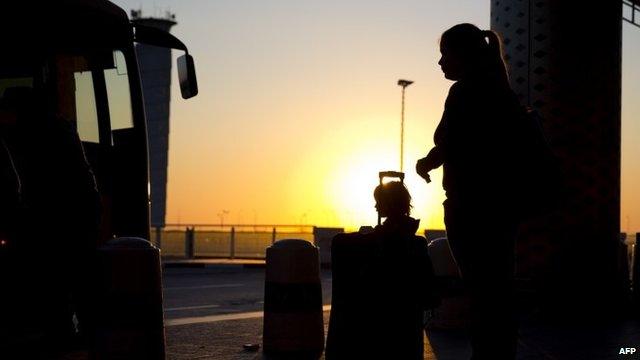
x=213 y=308
x=226 y=339
x=201 y=292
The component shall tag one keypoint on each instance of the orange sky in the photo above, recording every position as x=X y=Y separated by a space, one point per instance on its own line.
x=299 y=108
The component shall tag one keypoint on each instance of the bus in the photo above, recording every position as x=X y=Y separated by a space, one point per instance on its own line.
x=73 y=164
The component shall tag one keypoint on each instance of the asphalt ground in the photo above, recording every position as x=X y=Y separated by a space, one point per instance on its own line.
x=217 y=290
x=212 y=311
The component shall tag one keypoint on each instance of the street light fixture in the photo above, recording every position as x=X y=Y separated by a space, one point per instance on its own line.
x=404 y=84
x=221 y=216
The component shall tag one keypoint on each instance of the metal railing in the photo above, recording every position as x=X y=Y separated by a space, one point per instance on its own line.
x=224 y=241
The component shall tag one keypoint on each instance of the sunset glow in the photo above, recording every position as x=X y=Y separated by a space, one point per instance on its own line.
x=299 y=109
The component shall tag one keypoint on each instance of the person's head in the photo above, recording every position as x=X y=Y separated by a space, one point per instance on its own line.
x=392 y=199
x=466 y=50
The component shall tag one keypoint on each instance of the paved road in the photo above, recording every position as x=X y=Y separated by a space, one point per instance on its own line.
x=203 y=292
x=212 y=312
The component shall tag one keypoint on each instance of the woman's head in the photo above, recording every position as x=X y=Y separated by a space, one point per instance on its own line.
x=466 y=50
x=392 y=199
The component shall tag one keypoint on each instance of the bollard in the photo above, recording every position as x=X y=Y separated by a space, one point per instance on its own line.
x=293 y=324
x=159 y=237
x=635 y=276
x=323 y=238
x=456 y=306
x=128 y=317
x=444 y=265
x=189 y=243
x=623 y=274
x=232 y=244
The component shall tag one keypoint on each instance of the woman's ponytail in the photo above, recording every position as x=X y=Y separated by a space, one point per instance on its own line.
x=496 y=52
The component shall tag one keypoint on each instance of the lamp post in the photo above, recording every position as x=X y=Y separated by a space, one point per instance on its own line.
x=404 y=84
x=221 y=216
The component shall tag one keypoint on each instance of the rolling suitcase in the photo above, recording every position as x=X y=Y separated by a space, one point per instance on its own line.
x=377 y=294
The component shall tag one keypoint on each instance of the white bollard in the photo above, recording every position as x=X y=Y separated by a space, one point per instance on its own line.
x=129 y=317
x=443 y=262
x=293 y=323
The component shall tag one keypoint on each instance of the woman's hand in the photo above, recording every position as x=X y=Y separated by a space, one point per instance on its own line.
x=434 y=159
x=423 y=168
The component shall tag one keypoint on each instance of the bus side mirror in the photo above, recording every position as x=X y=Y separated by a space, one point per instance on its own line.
x=187 y=76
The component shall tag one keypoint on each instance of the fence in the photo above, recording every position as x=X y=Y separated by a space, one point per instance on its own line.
x=228 y=241
x=251 y=241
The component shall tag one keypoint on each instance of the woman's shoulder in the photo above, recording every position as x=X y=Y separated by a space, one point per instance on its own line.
x=458 y=88
x=461 y=96
x=462 y=92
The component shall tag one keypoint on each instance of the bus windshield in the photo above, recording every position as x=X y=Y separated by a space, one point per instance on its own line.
x=84 y=97
x=90 y=91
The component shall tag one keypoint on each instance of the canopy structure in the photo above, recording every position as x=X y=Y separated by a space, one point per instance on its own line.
x=631 y=11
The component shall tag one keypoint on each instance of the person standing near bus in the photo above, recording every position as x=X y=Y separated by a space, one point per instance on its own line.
x=55 y=230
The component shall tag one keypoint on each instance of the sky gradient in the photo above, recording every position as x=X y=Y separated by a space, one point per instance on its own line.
x=299 y=109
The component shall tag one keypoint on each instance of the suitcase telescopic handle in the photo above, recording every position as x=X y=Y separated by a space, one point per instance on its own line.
x=391 y=174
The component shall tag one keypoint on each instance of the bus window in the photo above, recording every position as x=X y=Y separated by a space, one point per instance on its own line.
x=86 y=113
x=15 y=82
x=119 y=97
x=9 y=88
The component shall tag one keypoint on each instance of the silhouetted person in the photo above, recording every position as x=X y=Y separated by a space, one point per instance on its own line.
x=382 y=284
x=52 y=248
x=477 y=146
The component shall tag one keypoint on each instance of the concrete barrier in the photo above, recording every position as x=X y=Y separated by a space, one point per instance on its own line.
x=322 y=239
x=443 y=262
x=129 y=320
x=636 y=276
x=293 y=323
x=454 y=310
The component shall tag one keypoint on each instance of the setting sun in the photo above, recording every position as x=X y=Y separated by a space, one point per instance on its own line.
x=354 y=181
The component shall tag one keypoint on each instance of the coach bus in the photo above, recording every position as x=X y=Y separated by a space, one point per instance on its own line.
x=73 y=162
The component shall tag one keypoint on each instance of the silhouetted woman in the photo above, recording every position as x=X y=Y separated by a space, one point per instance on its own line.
x=474 y=143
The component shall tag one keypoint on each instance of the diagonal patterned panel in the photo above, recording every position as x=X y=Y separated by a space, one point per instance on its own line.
x=510 y=19
x=571 y=75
